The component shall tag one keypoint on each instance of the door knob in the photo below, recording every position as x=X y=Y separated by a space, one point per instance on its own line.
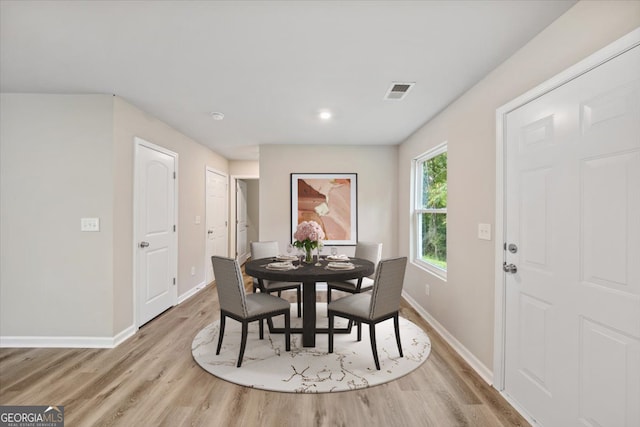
x=144 y=244
x=209 y=231
x=509 y=268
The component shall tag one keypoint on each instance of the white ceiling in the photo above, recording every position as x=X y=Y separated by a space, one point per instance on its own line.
x=270 y=67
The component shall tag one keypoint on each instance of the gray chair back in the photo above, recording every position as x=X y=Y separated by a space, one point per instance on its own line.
x=264 y=249
x=371 y=252
x=387 y=287
x=230 y=285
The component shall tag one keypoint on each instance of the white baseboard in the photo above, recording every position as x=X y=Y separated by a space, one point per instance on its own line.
x=124 y=335
x=469 y=357
x=68 y=342
x=83 y=342
x=191 y=292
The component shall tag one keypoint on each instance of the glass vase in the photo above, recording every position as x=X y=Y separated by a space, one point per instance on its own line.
x=308 y=256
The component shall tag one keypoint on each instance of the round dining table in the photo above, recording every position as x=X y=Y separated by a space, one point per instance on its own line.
x=308 y=275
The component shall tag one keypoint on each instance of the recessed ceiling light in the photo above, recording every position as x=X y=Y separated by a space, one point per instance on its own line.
x=325 y=115
x=216 y=115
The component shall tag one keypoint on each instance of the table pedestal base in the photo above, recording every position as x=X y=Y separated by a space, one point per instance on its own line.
x=309 y=314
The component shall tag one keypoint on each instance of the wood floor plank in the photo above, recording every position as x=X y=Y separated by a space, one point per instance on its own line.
x=152 y=380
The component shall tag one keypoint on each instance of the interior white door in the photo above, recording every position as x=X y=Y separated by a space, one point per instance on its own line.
x=216 y=214
x=572 y=214
x=156 y=256
x=242 y=241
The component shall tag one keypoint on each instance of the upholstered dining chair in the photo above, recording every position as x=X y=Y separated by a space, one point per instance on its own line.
x=366 y=250
x=372 y=308
x=236 y=304
x=268 y=250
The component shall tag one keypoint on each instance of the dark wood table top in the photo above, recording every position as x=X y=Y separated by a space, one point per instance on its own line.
x=308 y=272
x=308 y=275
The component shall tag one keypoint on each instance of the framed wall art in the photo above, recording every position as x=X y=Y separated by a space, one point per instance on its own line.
x=330 y=199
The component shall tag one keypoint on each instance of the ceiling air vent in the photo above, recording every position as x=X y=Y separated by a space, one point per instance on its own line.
x=398 y=91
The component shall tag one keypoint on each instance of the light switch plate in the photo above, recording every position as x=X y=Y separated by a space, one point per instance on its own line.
x=484 y=231
x=197 y=220
x=89 y=224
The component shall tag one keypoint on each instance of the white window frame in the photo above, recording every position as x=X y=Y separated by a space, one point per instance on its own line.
x=418 y=210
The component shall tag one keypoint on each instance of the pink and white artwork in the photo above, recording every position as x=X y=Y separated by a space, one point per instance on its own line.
x=328 y=199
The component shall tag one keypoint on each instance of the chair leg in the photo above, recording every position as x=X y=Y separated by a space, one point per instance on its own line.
x=222 y=319
x=330 y=332
x=396 y=326
x=372 y=335
x=261 y=328
x=287 y=330
x=243 y=343
x=328 y=294
x=359 y=326
x=298 y=290
x=270 y=324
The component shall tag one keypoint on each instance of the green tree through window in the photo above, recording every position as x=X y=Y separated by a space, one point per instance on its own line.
x=431 y=209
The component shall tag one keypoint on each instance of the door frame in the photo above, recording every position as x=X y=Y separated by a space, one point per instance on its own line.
x=207 y=259
x=139 y=142
x=598 y=58
x=233 y=215
x=237 y=222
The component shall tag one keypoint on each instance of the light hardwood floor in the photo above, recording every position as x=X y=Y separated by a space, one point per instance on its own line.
x=152 y=380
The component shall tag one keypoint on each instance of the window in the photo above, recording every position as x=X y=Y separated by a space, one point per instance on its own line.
x=431 y=210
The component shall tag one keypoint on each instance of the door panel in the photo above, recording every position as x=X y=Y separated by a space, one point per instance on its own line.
x=616 y=176
x=572 y=188
x=216 y=214
x=535 y=230
x=157 y=262
x=155 y=240
x=609 y=364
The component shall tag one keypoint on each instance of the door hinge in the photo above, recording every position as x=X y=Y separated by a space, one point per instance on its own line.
x=174 y=280
x=174 y=228
x=174 y=175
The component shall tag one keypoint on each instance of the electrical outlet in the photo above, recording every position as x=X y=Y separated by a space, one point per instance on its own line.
x=484 y=231
x=89 y=224
x=427 y=289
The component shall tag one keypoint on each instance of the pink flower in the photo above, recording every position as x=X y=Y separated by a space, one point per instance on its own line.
x=310 y=230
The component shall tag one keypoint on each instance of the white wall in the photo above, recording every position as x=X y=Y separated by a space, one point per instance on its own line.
x=253 y=209
x=56 y=167
x=464 y=304
x=64 y=157
x=377 y=188
x=244 y=168
x=193 y=158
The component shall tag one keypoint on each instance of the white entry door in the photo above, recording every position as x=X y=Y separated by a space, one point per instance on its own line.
x=217 y=213
x=572 y=251
x=155 y=239
x=242 y=241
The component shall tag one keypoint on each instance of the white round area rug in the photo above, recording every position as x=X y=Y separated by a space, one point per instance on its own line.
x=266 y=365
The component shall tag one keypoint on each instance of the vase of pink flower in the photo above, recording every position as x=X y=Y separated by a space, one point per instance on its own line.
x=307 y=236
